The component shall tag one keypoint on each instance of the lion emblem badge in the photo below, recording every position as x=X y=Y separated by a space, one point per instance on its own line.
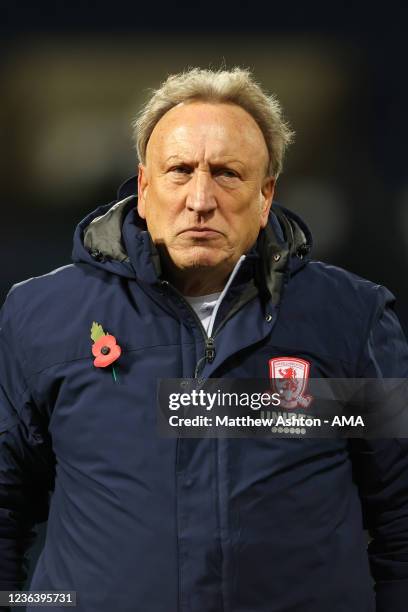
x=289 y=376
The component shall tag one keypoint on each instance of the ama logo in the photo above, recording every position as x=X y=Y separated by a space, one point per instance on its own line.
x=289 y=377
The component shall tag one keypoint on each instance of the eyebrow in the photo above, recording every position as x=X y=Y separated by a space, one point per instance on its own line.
x=217 y=163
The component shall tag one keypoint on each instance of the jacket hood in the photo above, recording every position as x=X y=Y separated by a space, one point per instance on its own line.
x=115 y=238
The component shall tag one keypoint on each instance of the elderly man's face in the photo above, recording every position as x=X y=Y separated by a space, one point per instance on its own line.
x=203 y=190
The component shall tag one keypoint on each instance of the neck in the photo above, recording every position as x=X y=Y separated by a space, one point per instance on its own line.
x=196 y=282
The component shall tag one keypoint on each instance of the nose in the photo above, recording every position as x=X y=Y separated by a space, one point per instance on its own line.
x=200 y=196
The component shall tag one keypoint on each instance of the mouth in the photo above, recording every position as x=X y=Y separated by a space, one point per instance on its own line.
x=201 y=232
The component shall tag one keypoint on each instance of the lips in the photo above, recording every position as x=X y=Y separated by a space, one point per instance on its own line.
x=200 y=230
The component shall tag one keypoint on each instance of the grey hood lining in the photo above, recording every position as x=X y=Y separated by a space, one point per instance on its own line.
x=104 y=234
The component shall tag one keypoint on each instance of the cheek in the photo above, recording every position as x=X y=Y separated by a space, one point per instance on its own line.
x=252 y=222
x=250 y=214
x=161 y=217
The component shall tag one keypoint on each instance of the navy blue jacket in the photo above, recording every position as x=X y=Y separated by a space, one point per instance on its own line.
x=139 y=522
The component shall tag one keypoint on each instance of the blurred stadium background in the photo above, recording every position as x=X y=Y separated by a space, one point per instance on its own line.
x=74 y=74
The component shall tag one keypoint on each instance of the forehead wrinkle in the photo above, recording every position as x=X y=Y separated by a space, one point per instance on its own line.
x=212 y=141
x=211 y=152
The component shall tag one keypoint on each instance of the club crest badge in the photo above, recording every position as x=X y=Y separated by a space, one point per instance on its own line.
x=289 y=376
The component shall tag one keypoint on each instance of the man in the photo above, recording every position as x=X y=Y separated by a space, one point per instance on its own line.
x=200 y=276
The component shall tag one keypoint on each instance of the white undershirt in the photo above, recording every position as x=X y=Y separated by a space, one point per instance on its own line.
x=204 y=306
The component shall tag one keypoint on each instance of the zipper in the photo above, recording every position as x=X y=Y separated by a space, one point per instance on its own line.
x=210 y=349
x=209 y=352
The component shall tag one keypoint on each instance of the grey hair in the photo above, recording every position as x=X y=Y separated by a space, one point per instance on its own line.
x=235 y=86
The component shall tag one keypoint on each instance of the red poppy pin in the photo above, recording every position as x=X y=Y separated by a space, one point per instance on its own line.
x=105 y=348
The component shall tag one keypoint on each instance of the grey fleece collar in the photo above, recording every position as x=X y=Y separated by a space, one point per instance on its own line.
x=104 y=233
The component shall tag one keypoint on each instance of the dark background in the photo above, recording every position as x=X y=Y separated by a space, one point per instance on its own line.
x=73 y=75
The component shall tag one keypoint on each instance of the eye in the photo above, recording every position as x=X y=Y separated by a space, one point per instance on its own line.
x=226 y=173
x=181 y=169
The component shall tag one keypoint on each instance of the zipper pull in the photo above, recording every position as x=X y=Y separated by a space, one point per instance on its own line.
x=209 y=350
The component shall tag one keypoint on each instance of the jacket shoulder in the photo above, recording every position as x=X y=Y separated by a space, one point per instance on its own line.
x=49 y=289
x=331 y=311
x=41 y=315
x=348 y=288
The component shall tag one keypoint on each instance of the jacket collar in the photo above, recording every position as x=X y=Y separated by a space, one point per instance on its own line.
x=116 y=238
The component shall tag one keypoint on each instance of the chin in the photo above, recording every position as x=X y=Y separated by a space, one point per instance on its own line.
x=199 y=258
x=198 y=262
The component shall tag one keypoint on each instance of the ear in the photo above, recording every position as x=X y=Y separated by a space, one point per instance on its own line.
x=142 y=184
x=267 y=191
